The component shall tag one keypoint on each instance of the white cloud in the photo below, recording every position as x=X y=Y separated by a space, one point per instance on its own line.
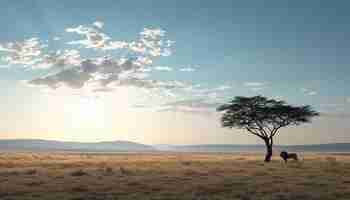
x=169 y=43
x=200 y=106
x=70 y=69
x=137 y=47
x=115 y=45
x=304 y=90
x=152 y=33
x=59 y=59
x=187 y=69
x=145 y=69
x=98 y=24
x=215 y=94
x=257 y=89
x=151 y=43
x=93 y=37
x=224 y=87
x=311 y=93
x=254 y=84
x=308 y=92
x=25 y=52
x=141 y=61
x=163 y=68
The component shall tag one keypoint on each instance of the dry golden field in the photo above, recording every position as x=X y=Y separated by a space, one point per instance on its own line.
x=195 y=176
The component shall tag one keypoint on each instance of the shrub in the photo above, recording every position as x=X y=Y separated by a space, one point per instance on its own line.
x=79 y=172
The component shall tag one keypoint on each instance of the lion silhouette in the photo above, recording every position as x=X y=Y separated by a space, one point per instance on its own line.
x=285 y=156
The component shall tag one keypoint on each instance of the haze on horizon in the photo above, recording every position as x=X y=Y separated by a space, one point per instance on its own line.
x=154 y=72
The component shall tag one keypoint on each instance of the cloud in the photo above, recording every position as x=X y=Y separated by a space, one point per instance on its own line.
x=72 y=70
x=151 y=43
x=199 y=91
x=115 y=45
x=59 y=59
x=218 y=94
x=103 y=75
x=311 y=93
x=254 y=84
x=308 y=92
x=103 y=70
x=199 y=106
x=257 y=89
x=152 y=33
x=98 y=24
x=224 y=87
x=72 y=78
x=163 y=68
x=25 y=52
x=187 y=69
x=94 y=38
x=304 y=90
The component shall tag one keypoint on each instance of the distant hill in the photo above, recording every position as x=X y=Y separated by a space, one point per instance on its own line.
x=332 y=147
x=46 y=145
x=127 y=146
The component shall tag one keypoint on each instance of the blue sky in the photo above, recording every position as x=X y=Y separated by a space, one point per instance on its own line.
x=292 y=50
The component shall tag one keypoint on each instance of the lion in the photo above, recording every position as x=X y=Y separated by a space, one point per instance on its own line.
x=285 y=156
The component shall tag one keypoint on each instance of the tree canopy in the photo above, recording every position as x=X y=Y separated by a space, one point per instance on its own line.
x=262 y=116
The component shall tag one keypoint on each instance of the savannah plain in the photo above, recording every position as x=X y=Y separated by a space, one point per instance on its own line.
x=176 y=176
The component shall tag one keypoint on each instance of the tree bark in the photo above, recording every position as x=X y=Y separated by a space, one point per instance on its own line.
x=268 y=155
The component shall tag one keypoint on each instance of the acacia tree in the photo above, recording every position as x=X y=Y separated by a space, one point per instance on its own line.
x=263 y=117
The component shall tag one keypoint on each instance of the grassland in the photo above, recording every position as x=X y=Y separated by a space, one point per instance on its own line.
x=195 y=176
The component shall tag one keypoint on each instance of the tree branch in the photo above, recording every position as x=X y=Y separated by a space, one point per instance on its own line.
x=261 y=128
x=255 y=133
x=274 y=132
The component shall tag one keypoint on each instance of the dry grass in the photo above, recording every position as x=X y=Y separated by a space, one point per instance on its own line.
x=193 y=176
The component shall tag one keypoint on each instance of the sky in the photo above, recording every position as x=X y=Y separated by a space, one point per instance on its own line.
x=154 y=71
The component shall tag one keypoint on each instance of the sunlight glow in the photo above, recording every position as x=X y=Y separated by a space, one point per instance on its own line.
x=86 y=112
x=90 y=111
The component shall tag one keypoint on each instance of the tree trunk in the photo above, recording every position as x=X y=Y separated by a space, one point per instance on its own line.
x=268 y=155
